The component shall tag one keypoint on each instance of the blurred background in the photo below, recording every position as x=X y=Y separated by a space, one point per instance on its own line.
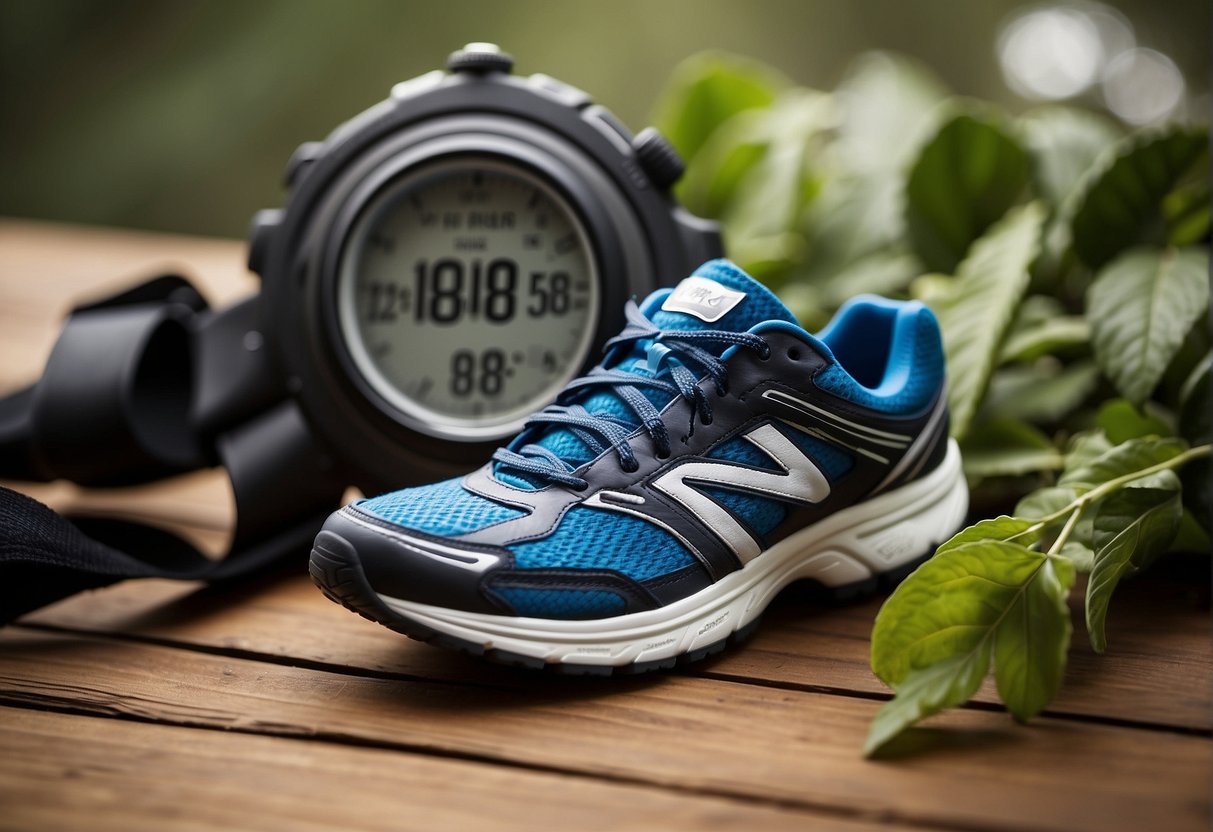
x=181 y=115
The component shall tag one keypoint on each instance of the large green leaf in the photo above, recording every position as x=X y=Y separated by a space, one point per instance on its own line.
x=1121 y=421
x=978 y=309
x=887 y=103
x=1064 y=142
x=964 y=179
x=1132 y=527
x=1120 y=461
x=1062 y=334
x=1042 y=392
x=706 y=90
x=1140 y=307
x=934 y=636
x=1005 y=448
x=949 y=605
x=1122 y=205
x=1030 y=643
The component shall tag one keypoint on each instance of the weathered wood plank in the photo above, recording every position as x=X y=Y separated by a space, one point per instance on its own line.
x=973 y=768
x=68 y=772
x=1158 y=670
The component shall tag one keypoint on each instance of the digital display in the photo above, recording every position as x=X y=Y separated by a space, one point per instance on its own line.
x=467 y=296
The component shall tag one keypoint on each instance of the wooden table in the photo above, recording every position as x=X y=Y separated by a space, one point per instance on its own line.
x=154 y=705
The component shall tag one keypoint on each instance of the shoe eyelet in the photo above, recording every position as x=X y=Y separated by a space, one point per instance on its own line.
x=630 y=467
x=706 y=421
x=662 y=455
x=765 y=355
x=793 y=354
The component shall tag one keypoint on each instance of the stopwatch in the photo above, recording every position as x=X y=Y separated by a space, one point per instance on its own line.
x=449 y=259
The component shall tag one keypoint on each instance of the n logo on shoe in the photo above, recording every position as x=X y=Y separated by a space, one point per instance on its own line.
x=800 y=482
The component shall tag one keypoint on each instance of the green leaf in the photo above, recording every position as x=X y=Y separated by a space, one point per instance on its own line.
x=1120 y=460
x=1195 y=405
x=771 y=197
x=1007 y=447
x=934 y=636
x=1186 y=211
x=963 y=181
x=1043 y=392
x=1063 y=334
x=887 y=103
x=1140 y=307
x=949 y=606
x=1086 y=447
x=1121 y=421
x=706 y=90
x=1079 y=554
x=1132 y=527
x=1195 y=414
x=975 y=315
x=732 y=150
x=1000 y=528
x=928 y=691
x=1064 y=143
x=1044 y=502
x=1031 y=641
x=1122 y=204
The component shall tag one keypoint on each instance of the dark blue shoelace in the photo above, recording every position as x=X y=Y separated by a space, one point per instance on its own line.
x=673 y=353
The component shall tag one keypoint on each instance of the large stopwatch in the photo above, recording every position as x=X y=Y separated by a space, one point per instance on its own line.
x=445 y=263
x=449 y=259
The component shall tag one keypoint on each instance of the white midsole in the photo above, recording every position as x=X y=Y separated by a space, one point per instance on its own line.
x=856 y=543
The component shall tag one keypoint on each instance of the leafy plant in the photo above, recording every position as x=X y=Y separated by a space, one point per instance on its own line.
x=1068 y=266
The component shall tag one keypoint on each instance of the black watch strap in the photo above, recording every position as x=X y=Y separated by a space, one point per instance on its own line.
x=143 y=385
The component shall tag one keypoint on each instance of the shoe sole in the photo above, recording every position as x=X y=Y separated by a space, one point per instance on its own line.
x=854 y=552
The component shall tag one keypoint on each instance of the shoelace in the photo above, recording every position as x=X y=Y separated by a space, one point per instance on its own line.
x=677 y=351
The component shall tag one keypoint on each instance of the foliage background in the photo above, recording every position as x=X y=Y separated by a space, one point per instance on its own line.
x=180 y=115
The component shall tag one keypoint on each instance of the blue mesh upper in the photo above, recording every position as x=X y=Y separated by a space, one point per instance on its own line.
x=444 y=508
x=588 y=538
x=567 y=604
x=889 y=356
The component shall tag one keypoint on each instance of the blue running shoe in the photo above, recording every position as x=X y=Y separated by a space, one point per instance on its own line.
x=717 y=454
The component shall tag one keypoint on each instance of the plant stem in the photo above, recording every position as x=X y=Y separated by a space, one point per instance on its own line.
x=1066 y=530
x=1103 y=489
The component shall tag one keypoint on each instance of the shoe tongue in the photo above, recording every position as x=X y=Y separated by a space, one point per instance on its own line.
x=718 y=296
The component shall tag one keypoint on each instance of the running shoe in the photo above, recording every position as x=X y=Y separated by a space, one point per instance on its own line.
x=718 y=453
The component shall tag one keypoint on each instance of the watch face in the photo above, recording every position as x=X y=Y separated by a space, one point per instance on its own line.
x=467 y=296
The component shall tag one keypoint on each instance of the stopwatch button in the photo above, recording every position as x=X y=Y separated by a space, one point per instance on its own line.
x=303 y=156
x=480 y=57
x=265 y=223
x=657 y=157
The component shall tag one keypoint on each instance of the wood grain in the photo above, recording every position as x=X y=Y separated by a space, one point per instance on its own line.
x=1158 y=670
x=123 y=777
x=970 y=769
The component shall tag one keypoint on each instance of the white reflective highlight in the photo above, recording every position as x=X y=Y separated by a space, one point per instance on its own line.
x=1142 y=86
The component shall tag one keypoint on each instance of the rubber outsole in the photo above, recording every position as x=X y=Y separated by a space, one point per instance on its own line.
x=337 y=572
